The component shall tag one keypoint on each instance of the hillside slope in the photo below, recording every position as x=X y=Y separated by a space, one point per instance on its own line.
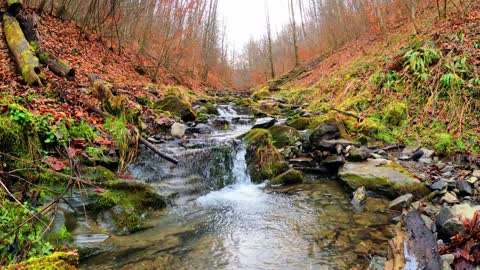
x=415 y=89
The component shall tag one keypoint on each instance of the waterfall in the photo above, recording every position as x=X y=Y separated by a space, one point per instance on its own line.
x=239 y=171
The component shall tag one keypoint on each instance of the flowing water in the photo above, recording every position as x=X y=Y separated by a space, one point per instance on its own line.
x=219 y=219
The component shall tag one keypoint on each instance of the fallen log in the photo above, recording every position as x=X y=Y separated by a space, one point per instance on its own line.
x=55 y=64
x=59 y=67
x=21 y=50
x=14 y=6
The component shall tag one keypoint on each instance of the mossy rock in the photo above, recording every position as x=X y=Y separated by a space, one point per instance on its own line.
x=395 y=114
x=179 y=107
x=55 y=261
x=290 y=177
x=211 y=109
x=99 y=174
x=263 y=159
x=268 y=107
x=283 y=135
x=12 y=138
x=383 y=177
x=300 y=123
x=261 y=94
x=126 y=202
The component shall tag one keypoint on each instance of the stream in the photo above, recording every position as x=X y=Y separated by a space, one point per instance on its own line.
x=219 y=219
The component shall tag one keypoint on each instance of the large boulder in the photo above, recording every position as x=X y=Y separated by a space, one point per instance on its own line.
x=263 y=159
x=178 y=106
x=284 y=135
x=382 y=176
x=290 y=177
x=328 y=130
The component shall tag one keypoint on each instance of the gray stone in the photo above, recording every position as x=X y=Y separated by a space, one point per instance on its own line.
x=377 y=263
x=476 y=173
x=464 y=188
x=325 y=131
x=439 y=185
x=358 y=154
x=178 y=130
x=449 y=220
x=448 y=168
x=333 y=162
x=391 y=181
x=401 y=202
x=449 y=198
x=429 y=222
x=427 y=153
x=264 y=122
x=332 y=144
x=200 y=129
x=472 y=180
x=359 y=197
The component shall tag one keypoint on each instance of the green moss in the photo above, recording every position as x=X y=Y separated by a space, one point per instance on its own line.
x=300 y=123
x=82 y=130
x=202 y=118
x=177 y=106
x=98 y=174
x=290 y=177
x=284 y=135
x=55 y=261
x=443 y=143
x=263 y=158
x=261 y=94
x=144 y=101
x=395 y=114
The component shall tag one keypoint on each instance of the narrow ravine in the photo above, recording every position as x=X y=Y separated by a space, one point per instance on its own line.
x=230 y=223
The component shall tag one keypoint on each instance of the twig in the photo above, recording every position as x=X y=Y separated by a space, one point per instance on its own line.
x=347 y=114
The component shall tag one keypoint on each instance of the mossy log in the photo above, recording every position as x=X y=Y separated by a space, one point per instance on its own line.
x=29 y=24
x=14 y=6
x=55 y=64
x=23 y=53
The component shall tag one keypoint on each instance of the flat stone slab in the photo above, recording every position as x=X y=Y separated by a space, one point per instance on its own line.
x=382 y=176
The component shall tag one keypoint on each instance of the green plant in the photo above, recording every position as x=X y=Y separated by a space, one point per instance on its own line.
x=26 y=242
x=117 y=126
x=418 y=60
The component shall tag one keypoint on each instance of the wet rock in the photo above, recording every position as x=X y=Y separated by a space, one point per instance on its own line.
x=221 y=123
x=179 y=107
x=383 y=177
x=359 y=197
x=358 y=154
x=401 y=202
x=439 y=185
x=302 y=161
x=200 y=129
x=377 y=263
x=331 y=145
x=464 y=188
x=284 y=135
x=178 y=130
x=201 y=109
x=289 y=177
x=333 y=162
x=326 y=131
x=447 y=261
x=264 y=123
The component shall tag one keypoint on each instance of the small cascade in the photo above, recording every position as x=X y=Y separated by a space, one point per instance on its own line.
x=239 y=171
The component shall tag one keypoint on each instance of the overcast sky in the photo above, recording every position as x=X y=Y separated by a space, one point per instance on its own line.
x=246 y=18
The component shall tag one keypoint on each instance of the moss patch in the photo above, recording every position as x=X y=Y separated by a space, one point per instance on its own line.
x=284 y=135
x=179 y=107
x=300 y=123
x=55 y=261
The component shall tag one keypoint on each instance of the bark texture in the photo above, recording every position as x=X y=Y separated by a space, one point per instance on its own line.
x=21 y=50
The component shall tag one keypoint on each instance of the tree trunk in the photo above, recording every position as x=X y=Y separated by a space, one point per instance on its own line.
x=55 y=64
x=25 y=58
x=14 y=6
x=58 y=66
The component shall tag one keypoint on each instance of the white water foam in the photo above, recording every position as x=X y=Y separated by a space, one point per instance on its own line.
x=242 y=194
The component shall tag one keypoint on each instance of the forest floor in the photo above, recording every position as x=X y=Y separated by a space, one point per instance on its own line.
x=432 y=78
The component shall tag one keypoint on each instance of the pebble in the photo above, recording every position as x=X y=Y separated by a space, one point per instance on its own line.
x=439 y=185
x=476 y=173
x=447 y=260
x=464 y=188
x=472 y=180
x=449 y=198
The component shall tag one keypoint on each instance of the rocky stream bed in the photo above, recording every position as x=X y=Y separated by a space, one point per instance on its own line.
x=327 y=203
